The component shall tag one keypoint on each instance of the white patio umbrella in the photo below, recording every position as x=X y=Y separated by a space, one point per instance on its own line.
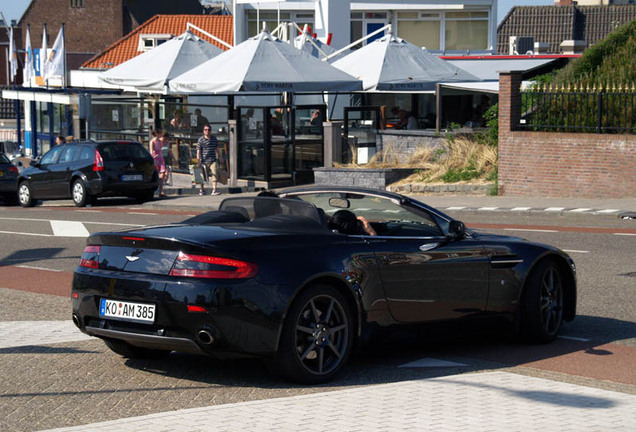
x=303 y=42
x=152 y=70
x=392 y=64
x=264 y=64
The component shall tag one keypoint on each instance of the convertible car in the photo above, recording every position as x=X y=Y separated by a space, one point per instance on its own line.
x=278 y=278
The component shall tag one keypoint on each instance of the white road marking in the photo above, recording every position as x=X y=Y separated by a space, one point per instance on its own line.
x=84 y=222
x=530 y=230
x=431 y=362
x=580 y=210
x=575 y=251
x=69 y=229
x=27 y=234
x=554 y=209
x=608 y=211
x=625 y=234
x=487 y=208
x=520 y=208
x=455 y=208
x=580 y=339
x=36 y=268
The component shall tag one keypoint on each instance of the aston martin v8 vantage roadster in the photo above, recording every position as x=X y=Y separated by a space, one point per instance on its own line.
x=299 y=278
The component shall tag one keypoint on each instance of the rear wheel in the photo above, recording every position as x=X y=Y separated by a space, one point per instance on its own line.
x=80 y=194
x=25 y=195
x=127 y=350
x=317 y=336
x=542 y=307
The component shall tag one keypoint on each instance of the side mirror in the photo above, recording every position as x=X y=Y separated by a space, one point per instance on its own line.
x=34 y=163
x=456 y=230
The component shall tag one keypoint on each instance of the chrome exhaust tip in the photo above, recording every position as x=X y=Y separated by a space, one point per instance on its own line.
x=76 y=321
x=205 y=337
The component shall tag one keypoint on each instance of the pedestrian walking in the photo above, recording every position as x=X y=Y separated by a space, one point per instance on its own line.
x=207 y=149
x=157 y=155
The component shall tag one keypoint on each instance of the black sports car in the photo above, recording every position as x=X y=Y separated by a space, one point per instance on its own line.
x=285 y=278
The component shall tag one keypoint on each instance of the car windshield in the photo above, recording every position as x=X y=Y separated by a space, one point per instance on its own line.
x=388 y=217
x=123 y=151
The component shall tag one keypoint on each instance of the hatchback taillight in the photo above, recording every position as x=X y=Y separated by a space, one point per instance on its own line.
x=14 y=170
x=98 y=163
x=90 y=257
x=202 y=266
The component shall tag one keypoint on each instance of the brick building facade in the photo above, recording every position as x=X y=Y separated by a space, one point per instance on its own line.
x=93 y=25
x=559 y=164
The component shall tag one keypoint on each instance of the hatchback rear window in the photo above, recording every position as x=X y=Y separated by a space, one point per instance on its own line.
x=4 y=159
x=124 y=151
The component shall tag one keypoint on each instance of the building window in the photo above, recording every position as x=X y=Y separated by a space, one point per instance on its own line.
x=364 y=23
x=149 y=41
x=270 y=18
x=420 y=28
x=466 y=31
x=77 y=3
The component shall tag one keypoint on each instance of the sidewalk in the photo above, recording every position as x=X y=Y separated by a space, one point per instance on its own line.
x=484 y=401
x=183 y=195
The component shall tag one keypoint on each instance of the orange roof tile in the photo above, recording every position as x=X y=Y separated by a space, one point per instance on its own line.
x=126 y=48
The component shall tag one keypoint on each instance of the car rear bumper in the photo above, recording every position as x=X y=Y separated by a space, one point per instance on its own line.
x=240 y=317
x=102 y=187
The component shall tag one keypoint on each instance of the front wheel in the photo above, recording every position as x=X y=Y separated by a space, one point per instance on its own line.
x=127 y=350
x=317 y=336
x=25 y=195
x=542 y=307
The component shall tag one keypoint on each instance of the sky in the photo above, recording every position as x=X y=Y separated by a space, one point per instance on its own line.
x=13 y=9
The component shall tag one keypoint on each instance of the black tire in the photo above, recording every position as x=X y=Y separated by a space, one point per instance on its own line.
x=25 y=195
x=542 y=303
x=127 y=350
x=145 y=196
x=317 y=336
x=80 y=194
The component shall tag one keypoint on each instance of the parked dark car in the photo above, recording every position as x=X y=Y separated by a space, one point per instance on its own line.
x=8 y=180
x=84 y=171
x=274 y=277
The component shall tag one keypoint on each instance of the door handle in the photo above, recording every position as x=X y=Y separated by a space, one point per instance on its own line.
x=428 y=246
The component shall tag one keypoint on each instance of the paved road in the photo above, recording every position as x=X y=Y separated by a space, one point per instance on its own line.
x=51 y=376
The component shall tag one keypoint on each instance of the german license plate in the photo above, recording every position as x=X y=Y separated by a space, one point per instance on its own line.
x=132 y=177
x=127 y=311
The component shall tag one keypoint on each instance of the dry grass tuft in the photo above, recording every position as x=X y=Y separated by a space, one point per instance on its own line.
x=460 y=159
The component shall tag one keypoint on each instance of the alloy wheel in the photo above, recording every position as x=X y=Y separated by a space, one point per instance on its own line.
x=551 y=301
x=322 y=333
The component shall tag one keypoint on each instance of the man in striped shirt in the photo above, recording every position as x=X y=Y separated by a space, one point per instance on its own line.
x=207 y=157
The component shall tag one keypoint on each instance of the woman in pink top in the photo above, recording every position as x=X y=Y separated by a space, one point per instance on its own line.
x=157 y=155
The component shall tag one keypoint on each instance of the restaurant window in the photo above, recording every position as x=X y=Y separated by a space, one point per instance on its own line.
x=254 y=27
x=466 y=31
x=420 y=28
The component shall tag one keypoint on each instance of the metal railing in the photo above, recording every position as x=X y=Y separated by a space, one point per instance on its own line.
x=604 y=111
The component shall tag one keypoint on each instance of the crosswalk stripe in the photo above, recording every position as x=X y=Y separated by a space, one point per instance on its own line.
x=69 y=229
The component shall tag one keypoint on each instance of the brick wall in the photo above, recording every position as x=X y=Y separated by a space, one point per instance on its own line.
x=554 y=164
x=89 y=29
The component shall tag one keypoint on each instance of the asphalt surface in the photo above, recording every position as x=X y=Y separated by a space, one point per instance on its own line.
x=52 y=376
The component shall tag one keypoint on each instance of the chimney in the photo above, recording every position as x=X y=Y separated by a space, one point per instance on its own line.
x=572 y=46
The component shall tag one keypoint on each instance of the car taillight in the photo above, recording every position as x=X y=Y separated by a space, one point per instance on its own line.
x=202 y=266
x=14 y=170
x=90 y=257
x=98 y=163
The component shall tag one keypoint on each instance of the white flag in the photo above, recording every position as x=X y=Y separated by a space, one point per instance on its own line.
x=55 y=60
x=28 y=71
x=43 y=55
x=13 y=56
